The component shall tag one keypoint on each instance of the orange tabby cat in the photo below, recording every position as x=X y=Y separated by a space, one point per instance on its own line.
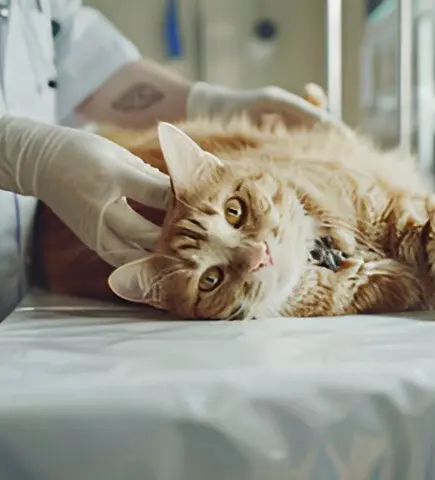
x=249 y=204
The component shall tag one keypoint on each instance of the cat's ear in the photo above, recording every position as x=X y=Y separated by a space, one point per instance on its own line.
x=187 y=163
x=138 y=282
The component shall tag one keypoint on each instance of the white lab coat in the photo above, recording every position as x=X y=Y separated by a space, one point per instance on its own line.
x=44 y=77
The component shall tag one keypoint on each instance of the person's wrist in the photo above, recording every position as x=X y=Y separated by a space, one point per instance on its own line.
x=16 y=140
x=29 y=147
x=207 y=100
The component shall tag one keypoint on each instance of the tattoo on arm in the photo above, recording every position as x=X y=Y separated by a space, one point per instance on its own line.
x=138 y=97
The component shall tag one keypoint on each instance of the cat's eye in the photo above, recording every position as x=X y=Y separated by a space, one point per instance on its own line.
x=210 y=279
x=235 y=212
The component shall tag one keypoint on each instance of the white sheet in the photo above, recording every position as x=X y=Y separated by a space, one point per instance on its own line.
x=104 y=397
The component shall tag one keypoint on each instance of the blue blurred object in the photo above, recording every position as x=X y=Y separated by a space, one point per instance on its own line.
x=173 y=44
x=265 y=29
x=372 y=5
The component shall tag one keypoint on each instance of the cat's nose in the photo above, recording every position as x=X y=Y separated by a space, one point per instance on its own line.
x=259 y=256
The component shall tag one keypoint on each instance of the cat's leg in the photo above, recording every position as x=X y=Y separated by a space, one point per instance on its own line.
x=411 y=233
x=424 y=239
x=414 y=237
x=359 y=287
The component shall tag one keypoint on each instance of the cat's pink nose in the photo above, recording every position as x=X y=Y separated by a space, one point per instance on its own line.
x=259 y=257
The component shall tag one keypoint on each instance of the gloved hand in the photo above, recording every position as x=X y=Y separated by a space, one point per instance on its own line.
x=84 y=179
x=206 y=100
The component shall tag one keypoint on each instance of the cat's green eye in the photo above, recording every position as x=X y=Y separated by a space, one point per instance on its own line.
x=210 y=279
x=235 y=212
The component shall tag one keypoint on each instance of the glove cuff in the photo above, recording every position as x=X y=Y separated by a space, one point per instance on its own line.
x=207 y=100
x=12 y=144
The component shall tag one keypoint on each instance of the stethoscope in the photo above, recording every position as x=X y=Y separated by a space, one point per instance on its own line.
x=5 y=8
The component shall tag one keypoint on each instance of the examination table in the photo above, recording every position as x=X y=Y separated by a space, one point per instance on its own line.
x=92 y=391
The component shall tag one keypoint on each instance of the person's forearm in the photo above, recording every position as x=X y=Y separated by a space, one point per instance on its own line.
x=137 y=96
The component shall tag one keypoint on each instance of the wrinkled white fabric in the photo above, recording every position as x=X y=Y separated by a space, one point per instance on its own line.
x=112 y=395
x=85 y=179
x=208 y=100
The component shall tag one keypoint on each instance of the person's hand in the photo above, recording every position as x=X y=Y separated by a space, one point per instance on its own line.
x=85 y=179
x=206 y=100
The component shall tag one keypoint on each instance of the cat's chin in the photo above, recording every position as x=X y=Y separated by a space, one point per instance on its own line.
x=277 y=297
x=289 y=264
x=280 y=280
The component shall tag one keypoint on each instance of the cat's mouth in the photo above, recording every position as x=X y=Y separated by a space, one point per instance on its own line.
x=325 y=255
x=269 y=254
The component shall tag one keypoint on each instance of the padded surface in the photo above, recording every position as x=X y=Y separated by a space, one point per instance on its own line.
x=100 y=394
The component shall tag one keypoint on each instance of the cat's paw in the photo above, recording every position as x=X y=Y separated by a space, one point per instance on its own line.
x=325 y=255
x=352 y=267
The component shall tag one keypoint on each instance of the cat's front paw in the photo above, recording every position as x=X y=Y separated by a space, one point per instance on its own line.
x=352 y=267
x=325 y=255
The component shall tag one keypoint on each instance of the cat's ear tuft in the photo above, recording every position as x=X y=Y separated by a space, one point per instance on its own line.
x=187 y=163
x=137 y=282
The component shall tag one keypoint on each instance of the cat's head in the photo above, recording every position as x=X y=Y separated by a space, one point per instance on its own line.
x=233 y=244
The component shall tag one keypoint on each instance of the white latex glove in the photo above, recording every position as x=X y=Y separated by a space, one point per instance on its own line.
x=206 y=100
x=84 y=179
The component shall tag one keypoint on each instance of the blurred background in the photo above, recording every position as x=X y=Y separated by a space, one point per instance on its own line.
x=252 y=43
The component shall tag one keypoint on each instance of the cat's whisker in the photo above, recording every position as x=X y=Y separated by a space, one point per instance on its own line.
x=240 y=309
x=188 y=205
x=272 y=311
x=165 y=274
x=156 y=280
x=162 y=276
x=169 y=257
x=121 y=251
x=331 y=222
